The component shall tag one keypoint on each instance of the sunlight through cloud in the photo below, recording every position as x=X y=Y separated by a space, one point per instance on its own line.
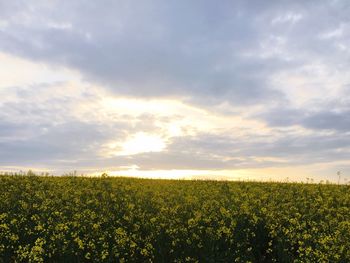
x=142 y=143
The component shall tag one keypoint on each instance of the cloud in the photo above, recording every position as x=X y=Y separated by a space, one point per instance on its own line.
x=232 y=85
x=223 y=151
x=335 y=118
x=146 y=50
x=329 y=120
x=214 y=53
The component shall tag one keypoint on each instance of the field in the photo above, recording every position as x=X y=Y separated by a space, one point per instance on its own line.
x=79 y=219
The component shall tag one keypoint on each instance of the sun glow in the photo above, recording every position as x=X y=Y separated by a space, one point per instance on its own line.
x=188 y=174
x=141 y=143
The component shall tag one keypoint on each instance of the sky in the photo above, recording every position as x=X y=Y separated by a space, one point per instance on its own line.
x=237 y=90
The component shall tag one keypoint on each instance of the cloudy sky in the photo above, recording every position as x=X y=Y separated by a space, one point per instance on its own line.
x=197 y=89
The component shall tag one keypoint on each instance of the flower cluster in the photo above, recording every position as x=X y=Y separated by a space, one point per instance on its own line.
x=79 y=219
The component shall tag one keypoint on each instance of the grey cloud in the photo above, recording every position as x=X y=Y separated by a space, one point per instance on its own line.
x=204 y=52
x=282 y=117
x=329 y=120
x=71 y=140
x=37 y=128
x=192 y=49
x=74 y=144
x=316 y=120
x=185 y=48
x=221 y=151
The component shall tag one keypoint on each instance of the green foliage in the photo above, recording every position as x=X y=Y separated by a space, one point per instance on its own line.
x=79 y=219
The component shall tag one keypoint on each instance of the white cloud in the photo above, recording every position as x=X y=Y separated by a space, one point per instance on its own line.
x=60 y=26
x=289 y=17
x=338 y=32
x=3 y=24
